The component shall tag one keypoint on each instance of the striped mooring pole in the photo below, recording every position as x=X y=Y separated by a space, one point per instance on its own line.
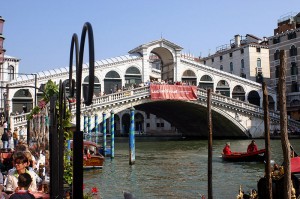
x=96 y=127
x=131 y=138
x=90 y=127
x=104 y=133
x=112 y=125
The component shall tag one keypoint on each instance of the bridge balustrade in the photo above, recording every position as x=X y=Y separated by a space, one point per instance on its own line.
x=144 y=92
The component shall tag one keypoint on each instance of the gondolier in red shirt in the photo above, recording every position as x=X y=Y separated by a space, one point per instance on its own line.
x=252 y=147
x=227 y=150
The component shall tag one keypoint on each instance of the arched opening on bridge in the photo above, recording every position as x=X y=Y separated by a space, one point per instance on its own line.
x=166 y=63
x=67 y=84
x=206 y=82
x=223 y=88
x=253 y=98
x=133 y=77
x=85 y=87
x=22 y=101
x=139 y=122
x=238 y=93
x=125 y=124
x=156 y=64
x=271 y=103
x=112 y=82
x=189 y=78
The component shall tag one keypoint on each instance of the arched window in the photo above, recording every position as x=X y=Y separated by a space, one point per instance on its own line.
x=258 y=63
x=231 y=67
x=221 y=67
x=293 y=51
x=242 y=63
x=11 y=72
x=294 y=69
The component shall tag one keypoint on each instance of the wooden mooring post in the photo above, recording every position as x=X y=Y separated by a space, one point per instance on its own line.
x=209 y=166
x=267 y=141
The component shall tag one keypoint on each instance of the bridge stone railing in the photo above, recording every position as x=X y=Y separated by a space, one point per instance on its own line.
x=144 y=92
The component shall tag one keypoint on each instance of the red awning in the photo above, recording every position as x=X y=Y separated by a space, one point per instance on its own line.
x=295 y=165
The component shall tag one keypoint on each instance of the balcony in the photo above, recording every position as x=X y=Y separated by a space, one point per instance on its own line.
x=277 y=62
x=294 y=78
x=293 y=59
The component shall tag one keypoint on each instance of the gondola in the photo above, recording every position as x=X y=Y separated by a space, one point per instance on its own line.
x=257 y=156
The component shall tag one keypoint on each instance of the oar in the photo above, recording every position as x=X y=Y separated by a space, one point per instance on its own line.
x=295 y=154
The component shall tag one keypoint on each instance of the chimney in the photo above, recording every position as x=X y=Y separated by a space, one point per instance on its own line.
x=237 y=40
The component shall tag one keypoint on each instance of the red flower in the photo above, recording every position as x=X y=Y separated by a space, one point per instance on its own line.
x=94 y=190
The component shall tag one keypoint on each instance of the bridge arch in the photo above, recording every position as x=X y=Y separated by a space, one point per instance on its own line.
x=22 y=101
x=112 y=81
x=206 y=82
x=166 y=55
x=254 y=98
x=238 y=92
x=133 y=76
x=223 y=88
x=189 y=77
x=85 y=86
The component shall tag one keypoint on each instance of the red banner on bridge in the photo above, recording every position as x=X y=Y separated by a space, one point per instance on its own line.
x=173 y=92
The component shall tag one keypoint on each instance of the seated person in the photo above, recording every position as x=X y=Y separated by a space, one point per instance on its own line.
x=227 y=150
x=20 y=162
x=252 y=147
x=24 y=181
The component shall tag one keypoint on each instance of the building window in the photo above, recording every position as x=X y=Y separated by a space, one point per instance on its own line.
x=221 y=58
x=276 y=55
x=204 y=62
x=231 y=67
x=221 y=67
x=242 y=51
x=293 y=51
x=157 y=124
x=294 y=69
x=230 y=54
x=212 y=60
x=148 y=115
x=276 y=40
x=11 y=73
x=162 y=124
x=277 y=72
x=292 y=35
x=258 y=63
x=258 y=50
x=148 y=125
x=242 y=63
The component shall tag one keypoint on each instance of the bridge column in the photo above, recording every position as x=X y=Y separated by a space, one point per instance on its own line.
x=104 y=133
x=131 y=138
x=112 y=126
x=96 y=127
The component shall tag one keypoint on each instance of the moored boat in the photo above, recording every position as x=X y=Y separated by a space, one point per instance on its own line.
x=257 y=156
x=92 y=159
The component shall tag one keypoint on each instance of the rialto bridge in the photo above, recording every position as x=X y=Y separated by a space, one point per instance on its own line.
x=123 y=82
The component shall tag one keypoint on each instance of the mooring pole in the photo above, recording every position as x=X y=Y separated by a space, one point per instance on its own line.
x=96 y=127
x=104 y=133
x=267 y=141
x=209 y=166
x=283 y=126
x=131 y=138
x=112 y=125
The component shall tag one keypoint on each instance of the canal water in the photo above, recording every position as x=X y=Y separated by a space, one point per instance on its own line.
x=178 y=169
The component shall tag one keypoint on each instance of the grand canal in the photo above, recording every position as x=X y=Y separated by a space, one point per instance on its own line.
x=178 y=169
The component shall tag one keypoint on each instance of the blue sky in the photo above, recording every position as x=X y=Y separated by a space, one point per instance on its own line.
x=39 y=32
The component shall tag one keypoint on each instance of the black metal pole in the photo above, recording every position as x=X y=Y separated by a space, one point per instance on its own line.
x=35 y=85
x=78 y=135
